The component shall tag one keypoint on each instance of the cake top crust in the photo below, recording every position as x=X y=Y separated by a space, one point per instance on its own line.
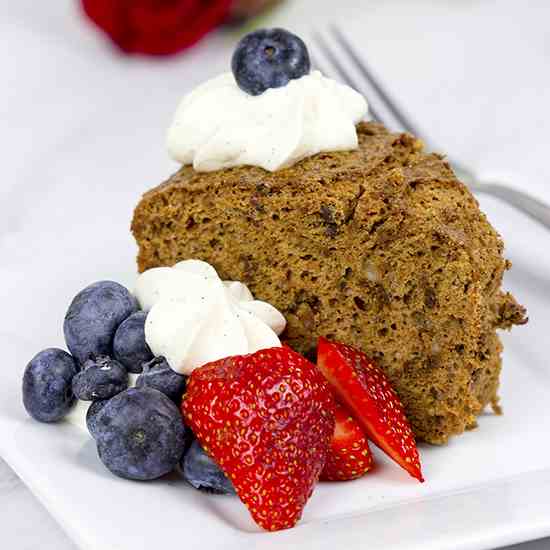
x=376 y=144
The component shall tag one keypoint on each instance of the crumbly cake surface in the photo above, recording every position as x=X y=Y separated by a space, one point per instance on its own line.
x=381 y=248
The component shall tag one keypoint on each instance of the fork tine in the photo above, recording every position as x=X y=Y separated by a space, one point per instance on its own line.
x=315 y=63
x=344 y=74
x=383 y=94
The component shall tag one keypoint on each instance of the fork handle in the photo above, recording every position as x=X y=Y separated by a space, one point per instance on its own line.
x=534 y=208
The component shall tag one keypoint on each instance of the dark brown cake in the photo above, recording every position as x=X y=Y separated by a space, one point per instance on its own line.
x=381 y=248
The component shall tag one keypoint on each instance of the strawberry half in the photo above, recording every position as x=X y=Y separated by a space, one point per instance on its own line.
x=267 y=419
x=367 y=393
x=349 y=456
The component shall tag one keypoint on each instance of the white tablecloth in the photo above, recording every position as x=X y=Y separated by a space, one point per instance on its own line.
x=473 y=75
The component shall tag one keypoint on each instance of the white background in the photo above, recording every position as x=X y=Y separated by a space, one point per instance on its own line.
x=82 y=131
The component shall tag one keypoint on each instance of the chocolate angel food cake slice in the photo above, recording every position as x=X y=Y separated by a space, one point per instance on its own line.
x=354 y=233
x=381 y=248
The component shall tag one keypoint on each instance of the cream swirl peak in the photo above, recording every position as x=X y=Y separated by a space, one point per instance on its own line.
x=194 y=317
x=219 y=126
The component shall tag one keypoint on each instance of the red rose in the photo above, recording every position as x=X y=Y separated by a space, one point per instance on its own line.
x=156 y=27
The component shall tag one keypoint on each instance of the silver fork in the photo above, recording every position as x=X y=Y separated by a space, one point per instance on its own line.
x=529 y=205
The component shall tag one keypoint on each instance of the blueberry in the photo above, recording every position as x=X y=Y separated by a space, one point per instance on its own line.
x=203 y=473
x=100 y=378
x=47 y=392
x=92 y=414
x=269 y=58
x=157 y=374
x=140 y=434
x=129 y=345
x=93 y=317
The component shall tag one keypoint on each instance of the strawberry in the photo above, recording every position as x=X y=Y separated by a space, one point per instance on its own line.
x=267 y=420
x=349 y=456
x=367 y=393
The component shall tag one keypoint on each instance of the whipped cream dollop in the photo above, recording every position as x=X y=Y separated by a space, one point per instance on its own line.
x=194 y=317
x=218 y=125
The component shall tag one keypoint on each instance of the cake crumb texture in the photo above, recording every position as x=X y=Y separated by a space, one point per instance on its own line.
x=381 y=248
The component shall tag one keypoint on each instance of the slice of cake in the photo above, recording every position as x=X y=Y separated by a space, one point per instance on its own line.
x=381 y=248
x=352 y=232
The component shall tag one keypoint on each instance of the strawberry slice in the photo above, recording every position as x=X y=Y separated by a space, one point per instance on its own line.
x=367 y=393
x=349 y=456
x=267 y=420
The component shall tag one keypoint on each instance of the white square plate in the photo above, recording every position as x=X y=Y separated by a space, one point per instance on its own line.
x=487 y=488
